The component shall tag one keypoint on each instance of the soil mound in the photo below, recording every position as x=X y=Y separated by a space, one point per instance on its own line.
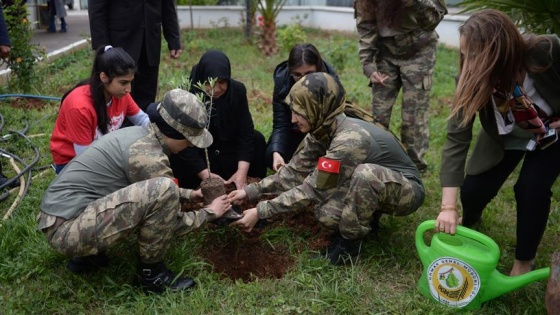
x=248 y=257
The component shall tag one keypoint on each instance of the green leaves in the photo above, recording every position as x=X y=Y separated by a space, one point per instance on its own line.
x=534 y=16
x=23 y=54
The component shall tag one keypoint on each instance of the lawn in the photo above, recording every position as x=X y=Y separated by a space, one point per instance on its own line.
x=34 y=279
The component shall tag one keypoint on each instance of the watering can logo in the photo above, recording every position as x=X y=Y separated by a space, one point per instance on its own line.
x=452 y=281
x=460 y=270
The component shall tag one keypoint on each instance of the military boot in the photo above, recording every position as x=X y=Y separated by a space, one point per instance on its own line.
x=374 y=224
x=157 y=278
x=88 y=264
x=342 y=250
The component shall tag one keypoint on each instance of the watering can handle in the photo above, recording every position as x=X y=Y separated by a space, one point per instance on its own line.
x=461 y=230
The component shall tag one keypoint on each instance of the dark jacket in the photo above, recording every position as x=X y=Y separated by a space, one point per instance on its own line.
x=283 y=131
x=231 y=123
x=489 y=147
x=4 y=38
x=132 y=23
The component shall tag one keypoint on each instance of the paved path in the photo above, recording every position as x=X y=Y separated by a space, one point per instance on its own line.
x=78 y=33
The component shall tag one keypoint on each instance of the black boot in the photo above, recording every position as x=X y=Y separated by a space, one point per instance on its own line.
x=343 y=250
x=156 y=278
x=88 y=264
x=374 y=224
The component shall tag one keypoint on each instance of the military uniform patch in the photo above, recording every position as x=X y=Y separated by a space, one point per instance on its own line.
x=328 y=171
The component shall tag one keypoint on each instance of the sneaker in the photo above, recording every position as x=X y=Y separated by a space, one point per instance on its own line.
x=87 y=264
x=156 y=278
x=343 y=250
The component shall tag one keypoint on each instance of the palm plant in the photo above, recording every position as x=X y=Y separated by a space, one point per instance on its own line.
x=269 y=10
x=534 y=16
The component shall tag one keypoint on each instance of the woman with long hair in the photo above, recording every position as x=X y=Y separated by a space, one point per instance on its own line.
x=511 y=81
x=96 y=106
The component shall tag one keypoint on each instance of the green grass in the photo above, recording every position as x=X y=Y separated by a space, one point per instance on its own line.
x=33 y=278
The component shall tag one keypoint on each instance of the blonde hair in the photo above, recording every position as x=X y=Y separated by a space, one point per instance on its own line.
x=492 y=57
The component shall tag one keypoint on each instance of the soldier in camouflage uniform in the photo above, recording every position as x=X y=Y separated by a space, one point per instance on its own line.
x=122 y=184
x=349 y=168
x=397 y=48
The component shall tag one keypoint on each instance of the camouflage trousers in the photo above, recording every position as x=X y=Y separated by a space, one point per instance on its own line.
x=150 y=208
x=372 y=188
x=409 y=61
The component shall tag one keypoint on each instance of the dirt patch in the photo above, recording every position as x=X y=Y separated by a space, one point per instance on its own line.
x=248 y=257
x=28 y=103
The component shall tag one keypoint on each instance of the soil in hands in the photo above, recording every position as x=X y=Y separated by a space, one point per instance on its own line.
x=245 y=256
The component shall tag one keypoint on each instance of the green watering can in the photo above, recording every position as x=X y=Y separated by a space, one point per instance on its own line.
x=460 y=270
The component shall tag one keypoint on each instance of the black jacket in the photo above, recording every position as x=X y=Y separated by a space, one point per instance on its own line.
x=4 y=38
x=282 y=127
x=231 y=123
x=132 y=23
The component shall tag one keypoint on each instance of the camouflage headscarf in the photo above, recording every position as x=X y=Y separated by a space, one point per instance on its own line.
x=319 y=98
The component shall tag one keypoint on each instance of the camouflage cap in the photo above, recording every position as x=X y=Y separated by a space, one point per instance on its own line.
x=184 y=112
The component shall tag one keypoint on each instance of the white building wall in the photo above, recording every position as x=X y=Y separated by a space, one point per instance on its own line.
x=321 y=17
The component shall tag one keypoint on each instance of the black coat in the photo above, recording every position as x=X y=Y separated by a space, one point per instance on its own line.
x=125 y=23
x=231 y=123
x=285 y=136
x=4 y=38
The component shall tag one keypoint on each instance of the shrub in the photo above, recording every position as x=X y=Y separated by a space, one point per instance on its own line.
x=338 y=55
x=536 y=16
x=290 y=36
x=23 y=54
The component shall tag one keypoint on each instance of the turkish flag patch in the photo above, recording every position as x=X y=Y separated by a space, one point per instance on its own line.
x=328 y=165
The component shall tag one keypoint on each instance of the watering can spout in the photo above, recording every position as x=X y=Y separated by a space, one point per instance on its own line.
x=502 y=284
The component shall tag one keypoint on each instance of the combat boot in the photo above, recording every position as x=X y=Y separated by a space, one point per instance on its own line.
x=342 y=250
x=157 y=278
x=374 y=224
x=88 y=264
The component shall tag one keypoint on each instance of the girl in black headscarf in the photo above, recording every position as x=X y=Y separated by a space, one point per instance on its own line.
x=238 y=149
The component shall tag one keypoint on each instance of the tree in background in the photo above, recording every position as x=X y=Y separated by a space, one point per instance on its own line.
x=269 y=10
x=533 y=16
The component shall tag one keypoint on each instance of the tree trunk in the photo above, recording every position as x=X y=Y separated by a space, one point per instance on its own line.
x=552 y=299
x=268 y=39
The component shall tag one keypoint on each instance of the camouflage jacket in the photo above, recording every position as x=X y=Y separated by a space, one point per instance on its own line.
x=116 y=160
x=420 y=15
x=354 y=142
